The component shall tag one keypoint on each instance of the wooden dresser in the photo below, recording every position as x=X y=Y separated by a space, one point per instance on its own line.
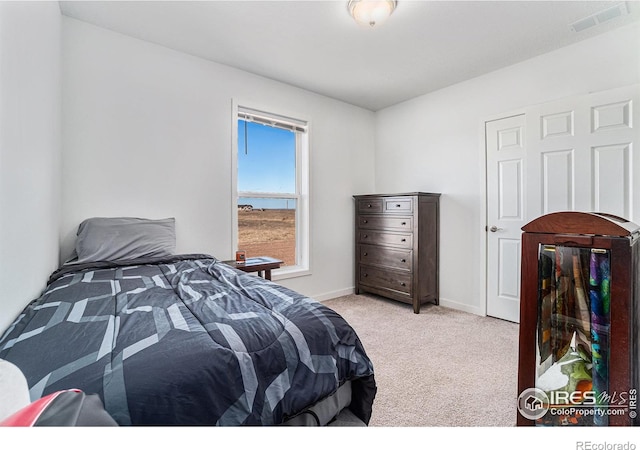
x=397 y=239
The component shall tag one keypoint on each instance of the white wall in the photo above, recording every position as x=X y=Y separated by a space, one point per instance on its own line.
x=434 y=143
x=29 y=151
x=147 y=132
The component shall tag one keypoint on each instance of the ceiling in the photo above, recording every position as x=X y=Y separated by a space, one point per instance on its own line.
x=315 y=45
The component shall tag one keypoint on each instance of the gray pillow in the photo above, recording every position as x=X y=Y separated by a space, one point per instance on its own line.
x=123 y=238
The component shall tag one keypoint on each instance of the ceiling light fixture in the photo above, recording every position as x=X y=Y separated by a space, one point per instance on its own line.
x=371 y=12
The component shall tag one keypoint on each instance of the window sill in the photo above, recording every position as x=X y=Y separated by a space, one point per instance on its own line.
x=289 y=272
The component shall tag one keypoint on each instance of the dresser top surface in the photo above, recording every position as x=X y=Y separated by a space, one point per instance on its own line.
x=404 y=194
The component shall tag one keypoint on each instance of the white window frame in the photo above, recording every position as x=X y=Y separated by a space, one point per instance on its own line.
x=303 y=257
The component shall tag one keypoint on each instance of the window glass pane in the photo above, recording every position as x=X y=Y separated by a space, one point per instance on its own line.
x=267 y=227
x=266 y=159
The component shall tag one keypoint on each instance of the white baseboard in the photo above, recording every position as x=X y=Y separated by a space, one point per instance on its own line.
x=461 y=307
x=333 y=294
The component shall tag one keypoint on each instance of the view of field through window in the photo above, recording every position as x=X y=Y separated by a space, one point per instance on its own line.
x=267 y=232
x=266 y=168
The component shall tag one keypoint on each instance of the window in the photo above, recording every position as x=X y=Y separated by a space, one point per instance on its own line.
x=271 y=167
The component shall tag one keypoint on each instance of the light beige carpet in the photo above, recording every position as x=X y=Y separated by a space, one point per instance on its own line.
x=441 y=367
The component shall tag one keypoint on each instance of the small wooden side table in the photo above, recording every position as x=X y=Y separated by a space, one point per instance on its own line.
x=258 y=264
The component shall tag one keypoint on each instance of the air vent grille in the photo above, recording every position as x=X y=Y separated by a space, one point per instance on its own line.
x=595 y=19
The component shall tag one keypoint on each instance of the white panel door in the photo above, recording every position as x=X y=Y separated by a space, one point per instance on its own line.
x=506 y=166
x=578 y=154
x=615 y=137
x=582 y=155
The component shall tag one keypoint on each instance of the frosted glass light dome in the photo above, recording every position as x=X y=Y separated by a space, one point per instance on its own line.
x=371 y=12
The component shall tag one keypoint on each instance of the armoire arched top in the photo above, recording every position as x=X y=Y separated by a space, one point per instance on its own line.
x=588 y=223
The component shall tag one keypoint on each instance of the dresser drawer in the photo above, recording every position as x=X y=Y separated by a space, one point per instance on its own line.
x=399 y=204
x=385 y=279
x=385 y=222
x=372 y=205
x=386 y=257
x=403 y=240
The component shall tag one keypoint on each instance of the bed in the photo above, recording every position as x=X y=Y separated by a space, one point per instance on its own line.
x=184 y=339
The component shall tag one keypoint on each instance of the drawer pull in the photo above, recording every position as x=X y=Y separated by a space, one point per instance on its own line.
x=403 y=284
x=369 y=205
x=365 y=236
x=365 y=221
x=403 y=260
x=365 y=275
x=398 y=205
x=401 y=240
x=403 y=223
x=365 y=253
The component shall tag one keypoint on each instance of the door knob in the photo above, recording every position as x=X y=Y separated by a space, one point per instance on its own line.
x=494 y=228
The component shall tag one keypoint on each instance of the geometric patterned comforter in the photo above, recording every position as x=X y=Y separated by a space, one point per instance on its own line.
x=186 y=340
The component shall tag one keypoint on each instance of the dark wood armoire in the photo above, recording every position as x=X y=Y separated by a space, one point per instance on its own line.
x=579 y=345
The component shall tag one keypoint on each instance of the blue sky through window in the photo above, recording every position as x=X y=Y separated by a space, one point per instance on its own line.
x=266 y=163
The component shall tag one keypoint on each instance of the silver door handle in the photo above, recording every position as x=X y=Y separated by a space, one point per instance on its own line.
x=494 y=228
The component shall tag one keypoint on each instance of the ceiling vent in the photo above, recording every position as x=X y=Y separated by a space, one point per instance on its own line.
x=595 y=19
